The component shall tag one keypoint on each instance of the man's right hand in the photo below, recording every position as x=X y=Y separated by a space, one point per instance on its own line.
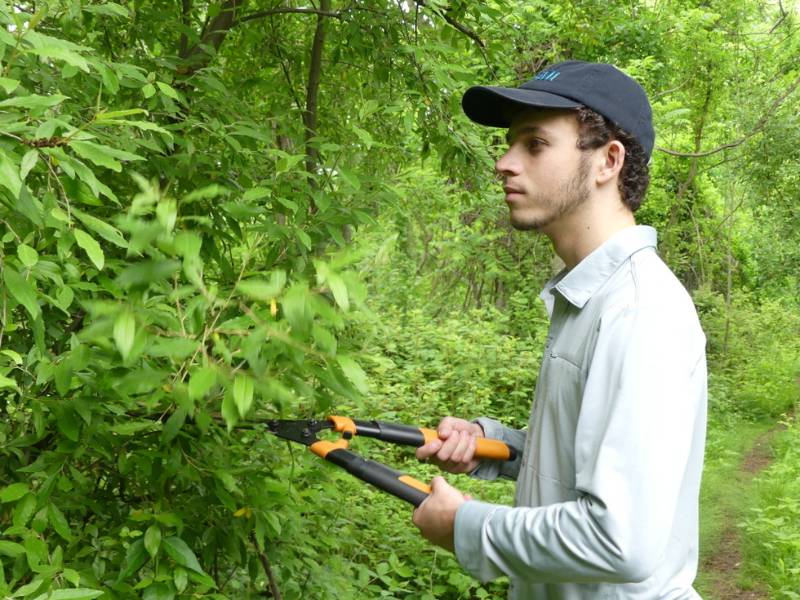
x=454 y=449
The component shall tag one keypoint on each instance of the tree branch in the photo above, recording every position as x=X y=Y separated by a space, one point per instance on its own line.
x=213 y=35
x=783 y=16
x=273 y=584
x=455 y=24
x=762 y=122
x=289 y=10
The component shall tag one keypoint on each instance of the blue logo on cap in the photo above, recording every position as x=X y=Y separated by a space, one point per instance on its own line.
x=548 y=75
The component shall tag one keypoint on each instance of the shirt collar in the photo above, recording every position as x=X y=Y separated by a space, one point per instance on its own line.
x=580 y=283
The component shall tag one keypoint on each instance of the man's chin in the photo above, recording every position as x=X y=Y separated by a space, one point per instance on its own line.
x=529 y=223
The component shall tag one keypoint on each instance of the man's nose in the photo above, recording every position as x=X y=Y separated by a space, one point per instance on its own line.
x=507 y=164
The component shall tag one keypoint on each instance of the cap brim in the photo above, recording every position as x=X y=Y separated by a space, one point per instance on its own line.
x=496 y=106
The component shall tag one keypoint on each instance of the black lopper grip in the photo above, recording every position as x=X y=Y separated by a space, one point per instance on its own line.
x=396 y=483
x=391 y=432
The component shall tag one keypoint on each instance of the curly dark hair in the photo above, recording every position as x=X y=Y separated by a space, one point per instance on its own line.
x=595 y=130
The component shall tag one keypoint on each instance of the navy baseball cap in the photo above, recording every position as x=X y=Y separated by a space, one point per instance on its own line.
x=601 y=87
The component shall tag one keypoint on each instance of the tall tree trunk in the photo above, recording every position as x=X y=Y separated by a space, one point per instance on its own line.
x=312 y=90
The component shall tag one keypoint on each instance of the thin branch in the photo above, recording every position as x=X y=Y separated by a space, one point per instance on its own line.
x=459 y=26
x=463 y=29
x=762 y=122
x=337 y=14
x=783 y=16
x=273 y=584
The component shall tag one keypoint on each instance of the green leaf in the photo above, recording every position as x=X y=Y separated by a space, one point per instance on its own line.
x=339 y=290
x=9 y=175
x=168 y=90
x=71 y=594
x=8 y=85
x=28 y=588
x=104 y=156
x=27 y=255
x=148 y=90
x=133 y=427
x=264 y=290
x=354 y=373
x=180 y=578
x=72 y=576
x=135 y=557
x=68 y=56
x=68 y=424
x=15 y=356
x=304 y=238
x=23 y=292
x=158 y=591
x=188 y=244
x=124 y=332
x=59 y=522
x=6 y=382
x=23 y=510
x=146 y=272
x=91 y=247
x=182 y=554
x=350 y=178
x=243 y=393
x=35 y=551
x=34 y=101
x=108 y=9
x=173 y=425
x=230 y=412
x=206 y=193
x=28 y=162
x=11 y=549
x=152 y=540
x=103 y=229
x=287 y=162
x=256 y=193
x=324 y=339
x=116 y=114
x=201 y=382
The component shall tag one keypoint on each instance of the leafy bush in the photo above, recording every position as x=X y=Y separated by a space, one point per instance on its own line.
x=753 y=352
x=142 y=321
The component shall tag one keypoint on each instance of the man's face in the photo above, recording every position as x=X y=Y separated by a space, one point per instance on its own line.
x=544 y=174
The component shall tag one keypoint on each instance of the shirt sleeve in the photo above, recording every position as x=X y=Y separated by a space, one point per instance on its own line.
x=492 y=469
x=643 y=402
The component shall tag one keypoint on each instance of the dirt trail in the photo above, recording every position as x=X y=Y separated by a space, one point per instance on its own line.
x=723 y=566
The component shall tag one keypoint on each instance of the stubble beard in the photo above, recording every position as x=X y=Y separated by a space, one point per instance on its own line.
x=570 y=195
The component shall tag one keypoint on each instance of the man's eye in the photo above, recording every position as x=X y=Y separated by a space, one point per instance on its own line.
x=533 y=144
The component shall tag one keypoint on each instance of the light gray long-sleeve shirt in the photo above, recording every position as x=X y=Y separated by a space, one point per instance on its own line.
x=608 y=477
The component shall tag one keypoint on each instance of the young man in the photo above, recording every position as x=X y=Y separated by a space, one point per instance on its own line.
x=609 y=471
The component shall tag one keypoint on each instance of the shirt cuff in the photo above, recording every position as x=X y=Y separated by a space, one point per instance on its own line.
x=472 y=545
x=492 y=469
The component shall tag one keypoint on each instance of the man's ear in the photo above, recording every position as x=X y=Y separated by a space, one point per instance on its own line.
x=612 y=157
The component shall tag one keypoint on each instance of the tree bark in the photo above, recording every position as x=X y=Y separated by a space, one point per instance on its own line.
x=312 y=89
x=198 y=56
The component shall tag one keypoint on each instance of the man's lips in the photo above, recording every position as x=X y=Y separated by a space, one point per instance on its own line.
x=511 y=190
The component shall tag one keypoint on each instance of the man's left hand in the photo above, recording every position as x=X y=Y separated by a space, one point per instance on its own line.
x=436 y=516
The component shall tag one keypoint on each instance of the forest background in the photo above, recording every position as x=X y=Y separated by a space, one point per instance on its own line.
x=219 y=212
